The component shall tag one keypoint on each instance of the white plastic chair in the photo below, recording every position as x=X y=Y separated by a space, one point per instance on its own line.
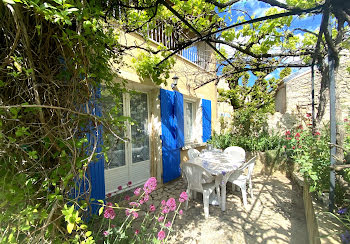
x=195 y=175
x=192 y=153
x=236 y=152
x=238 y=178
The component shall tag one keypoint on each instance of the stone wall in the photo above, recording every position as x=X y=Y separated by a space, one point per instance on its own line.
x=293 y=99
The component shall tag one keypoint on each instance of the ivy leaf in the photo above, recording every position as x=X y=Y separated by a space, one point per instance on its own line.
x=100 y=210
x=70 y=227
x=8 y=1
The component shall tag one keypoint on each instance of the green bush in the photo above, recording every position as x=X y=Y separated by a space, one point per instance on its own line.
x=261 y=142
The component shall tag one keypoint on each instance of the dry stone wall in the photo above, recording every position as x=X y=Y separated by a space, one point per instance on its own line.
x=293 y=100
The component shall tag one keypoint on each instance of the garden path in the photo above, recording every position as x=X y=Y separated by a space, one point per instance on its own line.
x=276 y=215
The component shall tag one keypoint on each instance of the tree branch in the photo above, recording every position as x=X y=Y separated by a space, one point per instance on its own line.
x=253 y=69
x=264 y=55
x=275 y=16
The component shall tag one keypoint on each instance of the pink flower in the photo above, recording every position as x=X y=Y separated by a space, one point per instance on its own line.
x=346 y=120
x=308 y=115
x=287 y=133
x=127 y=198
x=127 y=212
x=134 y=204
x=317 y=133
x=137 y=232
x=105 y=233
x=183 y=197
x=135 y=214
x=109 y=204
x=109 y=195
x=161 y=235
x=293 y=147
x=284 y=146
x=129 y=183
x=146 y=198
x=181 y=212
x=171 y=204
x=120 y=188
x=109 y=213
x=297 y=135
x=165 y=210
x=163 y=202
x=152 y=208
x=137 y=191
x=168 y=224
x=160 y=218
x=150 y=185
x=141 y=201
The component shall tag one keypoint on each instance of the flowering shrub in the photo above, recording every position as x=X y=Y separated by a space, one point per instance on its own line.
x=310 y=152
x=130 y=226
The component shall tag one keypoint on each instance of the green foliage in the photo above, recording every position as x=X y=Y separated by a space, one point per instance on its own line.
x=146 y=68
x=311 y=153
x=64 y=51
x=259 y=143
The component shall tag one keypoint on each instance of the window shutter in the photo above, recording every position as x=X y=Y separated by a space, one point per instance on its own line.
x=206 y=119
x=95 y=172
x=170 y=149
x=179 y=119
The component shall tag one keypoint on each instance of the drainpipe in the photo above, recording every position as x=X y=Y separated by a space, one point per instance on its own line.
x=313 y=97
x=333 y=121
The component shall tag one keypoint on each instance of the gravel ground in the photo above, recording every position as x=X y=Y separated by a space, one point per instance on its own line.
x=276 y=215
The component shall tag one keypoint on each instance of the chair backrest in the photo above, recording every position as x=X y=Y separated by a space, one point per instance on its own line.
x=192 y=153
x=195 y=175
x=236 y=152
x=233 y=175
x=250 y=165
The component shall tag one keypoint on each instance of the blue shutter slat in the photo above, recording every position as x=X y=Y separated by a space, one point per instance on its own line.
x=206 y=119
x=170 y=149
x=96 y=168
x=179 y=118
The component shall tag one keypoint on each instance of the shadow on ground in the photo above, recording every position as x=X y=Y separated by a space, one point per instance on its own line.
x=276 y=215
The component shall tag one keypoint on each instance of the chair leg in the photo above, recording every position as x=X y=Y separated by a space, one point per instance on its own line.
x=244 y=194
x=189 y=196
x=251 y=189
x=194 y=194
x=233 y=187
x=206 y=203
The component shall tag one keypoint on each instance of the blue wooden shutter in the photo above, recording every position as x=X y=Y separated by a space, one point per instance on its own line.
x=179 y=119
x=170 y=148
x=206 y=119
x=96 y=168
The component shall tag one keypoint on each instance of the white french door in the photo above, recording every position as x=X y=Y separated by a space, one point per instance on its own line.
x=130 y=161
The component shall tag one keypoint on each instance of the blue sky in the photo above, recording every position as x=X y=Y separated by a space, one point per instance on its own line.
x=258 y=9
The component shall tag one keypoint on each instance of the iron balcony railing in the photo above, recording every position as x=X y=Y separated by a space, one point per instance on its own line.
x=198 y=53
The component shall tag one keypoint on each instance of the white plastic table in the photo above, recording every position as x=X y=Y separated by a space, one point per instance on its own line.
x=217 y=163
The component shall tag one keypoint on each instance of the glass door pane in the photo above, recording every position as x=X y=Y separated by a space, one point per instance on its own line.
x=188 y=120
x=113 y=107
x=139 y=127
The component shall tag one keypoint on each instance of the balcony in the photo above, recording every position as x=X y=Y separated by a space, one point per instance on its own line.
x=199 y=53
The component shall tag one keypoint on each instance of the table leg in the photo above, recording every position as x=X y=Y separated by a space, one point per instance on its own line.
x=223 y=197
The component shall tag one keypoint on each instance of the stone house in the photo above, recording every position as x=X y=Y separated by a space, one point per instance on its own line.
x=170 y=118
x=293 y=97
